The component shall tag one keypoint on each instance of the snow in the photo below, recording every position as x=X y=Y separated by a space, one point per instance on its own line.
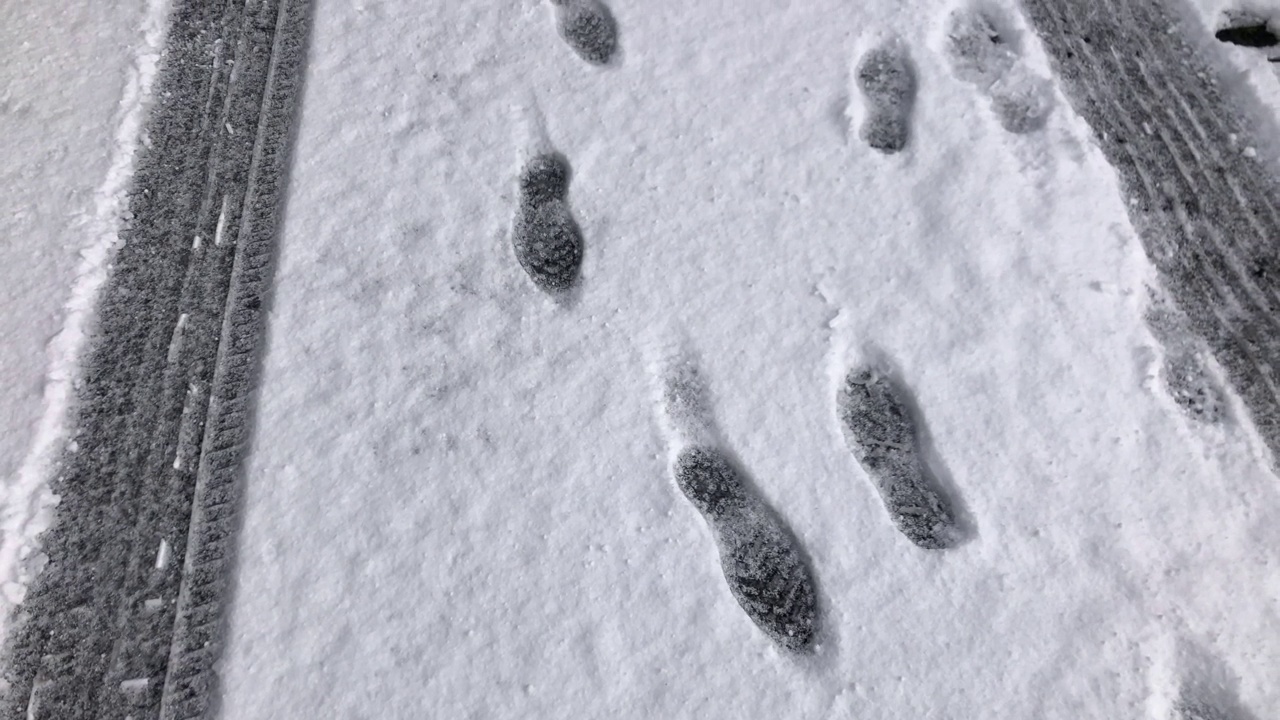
x=459 y=499
x=163 y=555
x=75 y=83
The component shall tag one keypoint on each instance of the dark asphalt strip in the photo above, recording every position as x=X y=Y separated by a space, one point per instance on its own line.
x=125 y=618
x=1206 y=211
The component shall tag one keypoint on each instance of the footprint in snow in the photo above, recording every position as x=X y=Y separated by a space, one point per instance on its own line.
x=761 y=560
x=546 y=239
x=1207 y=689
x=888 y=83
x=881 y=433
x=1201 y=700
x=1196 y=710
x=588 y=28
x=1185 y=372
x=979 y=54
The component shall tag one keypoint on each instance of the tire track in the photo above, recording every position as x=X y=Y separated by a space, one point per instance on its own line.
x=106 y=630
x=189 y=685
x=1205 y=210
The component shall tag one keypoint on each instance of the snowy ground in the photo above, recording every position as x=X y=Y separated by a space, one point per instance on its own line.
x=460 y=502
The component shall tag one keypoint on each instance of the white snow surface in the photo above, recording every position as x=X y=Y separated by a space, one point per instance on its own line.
x=72 y=92
x=459 y=501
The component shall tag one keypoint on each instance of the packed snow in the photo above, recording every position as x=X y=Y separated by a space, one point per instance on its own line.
x=460 y=500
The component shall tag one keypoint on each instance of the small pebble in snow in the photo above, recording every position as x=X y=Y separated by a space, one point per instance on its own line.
x=588 y=28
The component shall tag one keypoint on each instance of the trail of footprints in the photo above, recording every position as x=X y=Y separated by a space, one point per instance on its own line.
x=761 y=559
x=763 y=563
x=978 y=54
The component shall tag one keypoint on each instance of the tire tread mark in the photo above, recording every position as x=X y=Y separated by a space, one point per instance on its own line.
x=1215 y=249
x=70 y=628
x=190 y=685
